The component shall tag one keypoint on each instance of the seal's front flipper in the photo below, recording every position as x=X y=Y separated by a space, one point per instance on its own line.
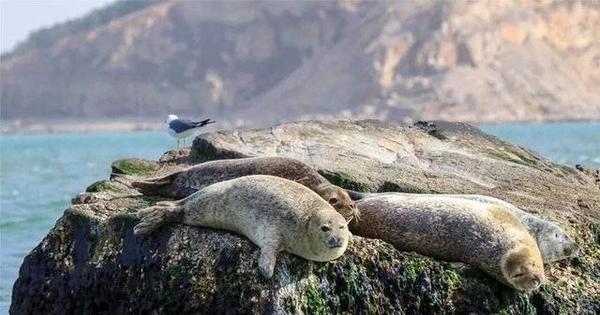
x=267 y=260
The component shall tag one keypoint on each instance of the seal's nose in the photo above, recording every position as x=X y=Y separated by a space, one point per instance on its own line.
x=334 y=241
x=572 y=250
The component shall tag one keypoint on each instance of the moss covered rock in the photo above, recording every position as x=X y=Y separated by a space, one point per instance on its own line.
x=134 y=166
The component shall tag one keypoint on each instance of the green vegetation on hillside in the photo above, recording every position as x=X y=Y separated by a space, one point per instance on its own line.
x=46 y=37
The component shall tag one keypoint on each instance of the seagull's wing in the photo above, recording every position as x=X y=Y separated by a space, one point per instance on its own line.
x=204 y=122
x=181 y=125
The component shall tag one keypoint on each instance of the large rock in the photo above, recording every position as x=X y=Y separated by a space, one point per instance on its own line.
x=429 y=157
x=91 y=263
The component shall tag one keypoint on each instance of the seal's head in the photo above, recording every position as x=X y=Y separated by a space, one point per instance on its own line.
x=328 y=235
x=523 y=267
x=555 y=244
x=339 y=199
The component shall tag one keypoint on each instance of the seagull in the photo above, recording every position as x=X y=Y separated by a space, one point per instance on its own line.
x=183 y=128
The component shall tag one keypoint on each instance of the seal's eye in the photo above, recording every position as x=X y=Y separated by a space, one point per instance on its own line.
x=342 y=227
x=333 y=201
x=325 y=228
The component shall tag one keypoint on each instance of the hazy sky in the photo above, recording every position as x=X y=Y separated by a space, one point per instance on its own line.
x=19 y=17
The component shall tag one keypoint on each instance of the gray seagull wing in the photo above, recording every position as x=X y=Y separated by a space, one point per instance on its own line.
x=204 y=122
x=181 y=125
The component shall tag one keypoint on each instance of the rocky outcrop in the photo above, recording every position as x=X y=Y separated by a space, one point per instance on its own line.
x=262 y=62
x=429 y=157
x=91 y=263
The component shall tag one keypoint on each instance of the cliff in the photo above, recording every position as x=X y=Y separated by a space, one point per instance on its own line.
x=263 y=62
x=91 y=263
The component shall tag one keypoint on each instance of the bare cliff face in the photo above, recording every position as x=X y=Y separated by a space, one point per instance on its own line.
x=261 y=62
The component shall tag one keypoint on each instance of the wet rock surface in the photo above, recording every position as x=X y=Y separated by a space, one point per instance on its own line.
x=91 y=263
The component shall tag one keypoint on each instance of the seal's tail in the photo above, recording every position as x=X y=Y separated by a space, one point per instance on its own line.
x=153 y=218
x=156 y=186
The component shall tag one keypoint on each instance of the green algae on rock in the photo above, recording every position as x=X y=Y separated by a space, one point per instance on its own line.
x=343 y=179
x=133 y=166
x=104 y=186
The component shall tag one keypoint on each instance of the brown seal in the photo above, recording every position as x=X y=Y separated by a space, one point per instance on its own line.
x=553 y=241
x=186 y=182
x=486 y=236
x=276 y=214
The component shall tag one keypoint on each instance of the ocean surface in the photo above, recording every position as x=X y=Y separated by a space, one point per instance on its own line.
x=39 y=174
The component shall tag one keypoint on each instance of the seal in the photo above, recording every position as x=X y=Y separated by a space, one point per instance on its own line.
x=486 y=236
x=276 y=214
x=553 y=241
x=186 y=182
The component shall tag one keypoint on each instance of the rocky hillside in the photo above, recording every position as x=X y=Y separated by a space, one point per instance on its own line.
x=91 y=263
x=261 y=62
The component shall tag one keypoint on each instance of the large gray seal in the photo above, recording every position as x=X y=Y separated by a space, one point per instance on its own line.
x=276 y=214
x=186 y=182
x=553 y=241
x=486 y=236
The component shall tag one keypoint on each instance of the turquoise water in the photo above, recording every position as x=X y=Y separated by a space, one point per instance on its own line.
x=39 y=176
x=41 y=173
x=567 y=143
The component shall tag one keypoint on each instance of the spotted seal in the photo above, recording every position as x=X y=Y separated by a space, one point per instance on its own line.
x=553 y=241
x=276 y=214
x=186 y=182
x=487 y=236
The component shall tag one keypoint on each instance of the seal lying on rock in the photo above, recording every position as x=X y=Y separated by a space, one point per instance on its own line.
x=276 y=214
x=486 y=236
x=186 y=182
x=553 y=241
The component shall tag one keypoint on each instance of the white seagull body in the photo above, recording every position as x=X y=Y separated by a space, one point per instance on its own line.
x=183 y=128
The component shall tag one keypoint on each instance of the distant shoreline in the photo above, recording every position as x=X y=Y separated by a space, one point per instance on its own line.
x=106 y=125
x=86 y=125
x=77 y=127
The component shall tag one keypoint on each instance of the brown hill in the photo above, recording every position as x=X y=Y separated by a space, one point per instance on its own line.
x=261 y=62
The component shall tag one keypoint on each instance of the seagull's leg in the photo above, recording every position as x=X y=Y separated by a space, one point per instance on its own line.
x=177 y=144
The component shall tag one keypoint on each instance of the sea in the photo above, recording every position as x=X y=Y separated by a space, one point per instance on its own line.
x=39 y=174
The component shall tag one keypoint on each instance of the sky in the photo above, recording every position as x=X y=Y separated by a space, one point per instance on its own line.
x=19 y=17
